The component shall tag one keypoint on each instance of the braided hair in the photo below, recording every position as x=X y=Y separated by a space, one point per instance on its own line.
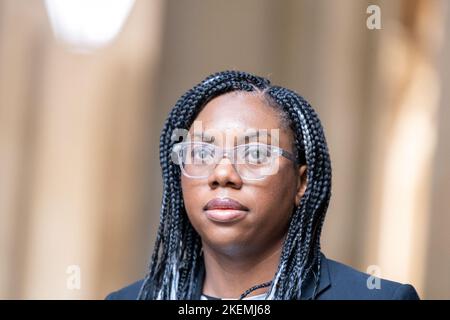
x=175 y=270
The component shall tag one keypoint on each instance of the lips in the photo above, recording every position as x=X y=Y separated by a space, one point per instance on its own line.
x=225 y=210
x=224 y=204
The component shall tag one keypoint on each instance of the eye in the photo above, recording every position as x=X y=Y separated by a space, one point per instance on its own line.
x=202 y=154
x=257 y=154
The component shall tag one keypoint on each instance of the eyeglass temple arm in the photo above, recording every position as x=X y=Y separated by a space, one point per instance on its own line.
x=289 y=156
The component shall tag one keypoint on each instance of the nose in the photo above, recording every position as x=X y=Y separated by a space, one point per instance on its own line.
x=225 y=175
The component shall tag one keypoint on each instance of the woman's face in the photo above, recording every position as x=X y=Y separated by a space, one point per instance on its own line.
x=260 y=219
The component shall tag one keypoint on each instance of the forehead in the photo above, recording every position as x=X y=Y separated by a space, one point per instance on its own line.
x=238 y=110
x=238 y=114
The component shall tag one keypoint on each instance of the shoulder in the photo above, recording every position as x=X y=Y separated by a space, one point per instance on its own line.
x=338 y=282
x=129 y=292
x=349 y=283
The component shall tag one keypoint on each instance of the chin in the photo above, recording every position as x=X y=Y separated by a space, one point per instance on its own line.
x=227 y=244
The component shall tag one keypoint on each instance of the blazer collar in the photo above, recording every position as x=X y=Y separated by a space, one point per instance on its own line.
x=324 y=281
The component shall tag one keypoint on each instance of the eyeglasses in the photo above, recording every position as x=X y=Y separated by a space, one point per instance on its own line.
x=252 y=161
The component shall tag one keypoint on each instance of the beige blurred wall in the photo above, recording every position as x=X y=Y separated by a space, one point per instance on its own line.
x=77 y=154
x=79 y=173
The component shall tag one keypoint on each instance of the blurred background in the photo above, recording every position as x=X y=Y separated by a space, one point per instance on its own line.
x=86 y=85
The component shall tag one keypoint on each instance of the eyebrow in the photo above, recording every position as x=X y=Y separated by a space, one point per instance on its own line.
x=205 y=137
x=249 y=135
x=256 y=133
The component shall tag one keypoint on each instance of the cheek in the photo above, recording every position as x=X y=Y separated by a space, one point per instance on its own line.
x=192 y=197
x=276 y=198
x=272 y=210
x=189 y=194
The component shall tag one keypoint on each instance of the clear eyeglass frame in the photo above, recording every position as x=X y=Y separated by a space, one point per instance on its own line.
x=246 y=168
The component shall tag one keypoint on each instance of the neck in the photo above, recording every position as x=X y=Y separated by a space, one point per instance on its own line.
x=228 y=276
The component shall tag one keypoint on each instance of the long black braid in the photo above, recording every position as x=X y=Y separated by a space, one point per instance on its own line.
x=177 y=264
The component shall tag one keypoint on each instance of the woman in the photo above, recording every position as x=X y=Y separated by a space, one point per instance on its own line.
x=247 y=182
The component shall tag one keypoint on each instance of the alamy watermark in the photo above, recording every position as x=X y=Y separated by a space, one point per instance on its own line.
x=374 y=280
x=373 y=21
x=73 y=281
x=242 y=147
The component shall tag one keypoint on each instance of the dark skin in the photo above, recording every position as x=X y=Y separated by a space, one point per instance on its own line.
x=246 y=252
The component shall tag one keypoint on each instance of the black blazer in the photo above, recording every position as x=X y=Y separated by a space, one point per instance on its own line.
x=337 y=282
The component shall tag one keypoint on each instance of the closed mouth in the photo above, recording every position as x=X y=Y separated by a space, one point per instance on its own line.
x=224 y=204
x=225 y=210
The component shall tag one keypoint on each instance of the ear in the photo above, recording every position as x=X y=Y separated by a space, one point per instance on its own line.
x=301 y=184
